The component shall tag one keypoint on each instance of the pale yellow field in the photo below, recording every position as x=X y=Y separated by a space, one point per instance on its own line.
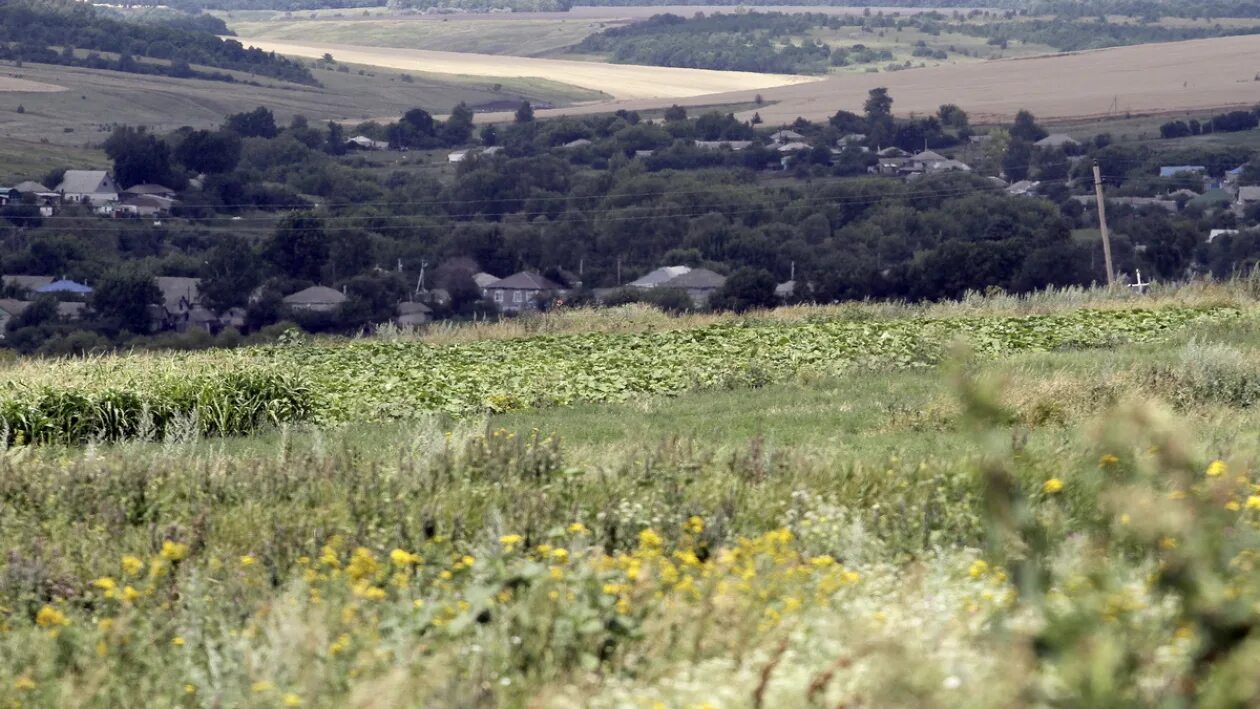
x=15 y=84
x=1176 y=76
x=621 y=81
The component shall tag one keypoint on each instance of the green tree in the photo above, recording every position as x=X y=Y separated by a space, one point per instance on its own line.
x=746 y=289
x=139 y=157
x=525 y=113
x=675 y=113
x=879 y=120
x=122 y=298
x=336 y=143
x=230 y=273
x=258 y=123
x=209 y=152
x=458 y=128
x=299 y=247
x=1026 y=128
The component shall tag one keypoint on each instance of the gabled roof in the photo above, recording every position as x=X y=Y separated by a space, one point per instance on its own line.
x=413 y=308
x=696 y=278
x=14 y=307
x=718 y=144
x=85 y=182
x=1171 y=170
x=316 y=295
x=659 y=276
x=150 y=200
x=580 y=142
x=159 y=190
x=27 y=282
x=64 y=286
x=483 y=279
x=892 y=152
x=526 y=280
x=930 y=156
x=786 y=135
x=29 y=186
x=176 y=288
x=1248 y=194
x=1056 y=140
x=795 y=146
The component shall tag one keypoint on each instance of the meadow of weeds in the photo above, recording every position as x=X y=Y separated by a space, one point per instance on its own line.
x=1066 y=525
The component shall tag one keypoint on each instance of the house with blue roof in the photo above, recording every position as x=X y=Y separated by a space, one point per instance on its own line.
x=65 y=286
x=1174 y=170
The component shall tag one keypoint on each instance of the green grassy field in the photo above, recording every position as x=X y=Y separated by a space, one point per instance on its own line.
x=1074 y=526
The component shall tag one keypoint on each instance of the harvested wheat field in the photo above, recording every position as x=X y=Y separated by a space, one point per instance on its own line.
x=14 y=84
x=621 y=81
x=1198 y=74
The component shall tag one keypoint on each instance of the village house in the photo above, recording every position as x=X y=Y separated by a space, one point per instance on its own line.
x=9 y=195
x=10 y=309
x=26 y=283
x=143 y=206
x=655 y=278
x=362 y=142
x=64 y=286
x=1248 y=195
x=316 y=299
x=1057 y=140
x=1174 y=170
x=94 y=187
x=522 y=291
x=411 y=315
x=699 y=283
x=148 y=190
x=458 y=156
x=483 y=280
x=735 y=145
x=784 y=137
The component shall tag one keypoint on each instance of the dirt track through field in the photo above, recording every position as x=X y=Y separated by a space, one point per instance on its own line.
x=14 y=84
x=621 y=81
x=1152 y=78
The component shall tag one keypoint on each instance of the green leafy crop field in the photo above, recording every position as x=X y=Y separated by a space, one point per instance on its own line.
x=376 y=380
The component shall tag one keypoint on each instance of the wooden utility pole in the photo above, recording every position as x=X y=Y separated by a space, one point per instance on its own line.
x=1102 y=225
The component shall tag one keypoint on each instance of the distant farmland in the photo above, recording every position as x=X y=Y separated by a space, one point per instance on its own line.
x=621 y=81
x=1176 y=76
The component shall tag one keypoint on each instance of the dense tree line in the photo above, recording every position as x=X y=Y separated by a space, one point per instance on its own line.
x=752 y=41
x=50 y=31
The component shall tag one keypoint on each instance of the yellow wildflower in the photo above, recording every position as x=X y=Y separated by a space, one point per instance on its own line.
x=467 y=561
x=560 y=555
x=577 y=528
x=248 y=560
x=173 y=551
x=362 y=564
x=510 y=541
x=1216 y=469
x=105 y=583
x=49 y=616
x=400 y=557
x=822 y=561
x=190 y=689
x=694 y=524
x=1253 y=502
x=178 y=641
x=292 y=700
x=1233 y=506
x=24 y=683
x=132 y=565
x=978 y=568
x=1168 y=543
x=261 y=686
x=649 y=538
x=1108 y=460
x=130 y=594
x=1052 y=486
